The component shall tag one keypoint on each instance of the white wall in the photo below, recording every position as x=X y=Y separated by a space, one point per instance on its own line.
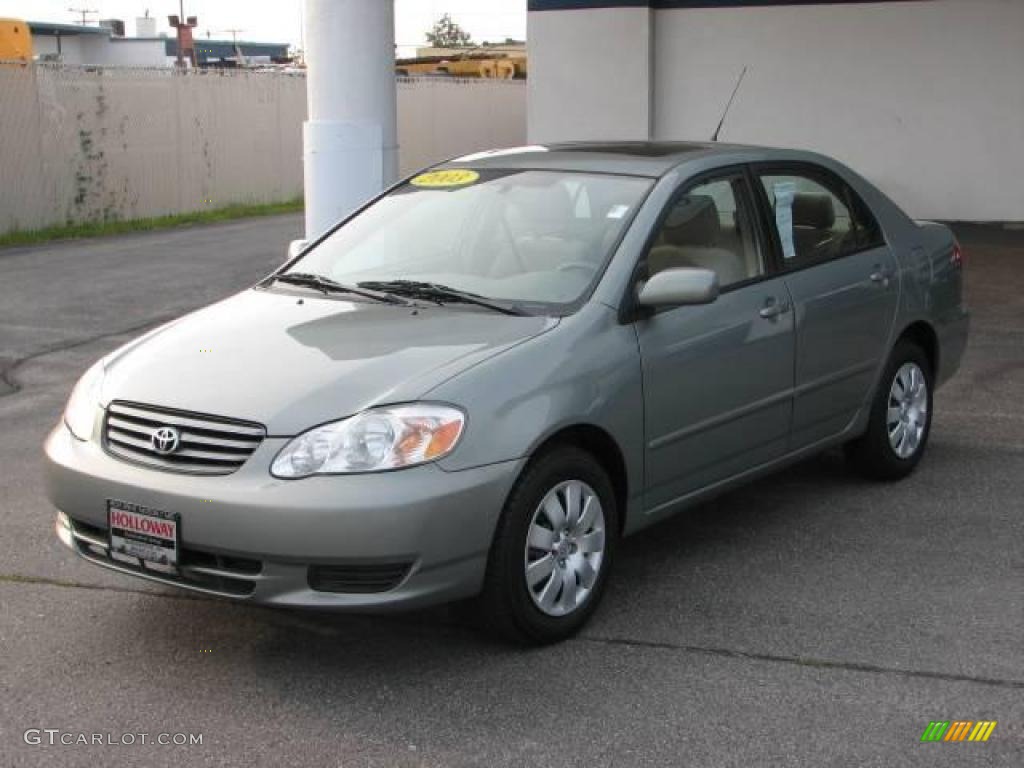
x=134 y=52
x=92 y=144
x=70 y=47
x=120 y=143
x=439 y=118
x=589 y=74
x=104 y=51
x=926 y=99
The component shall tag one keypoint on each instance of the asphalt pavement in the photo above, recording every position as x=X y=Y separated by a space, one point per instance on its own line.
x=810 y=619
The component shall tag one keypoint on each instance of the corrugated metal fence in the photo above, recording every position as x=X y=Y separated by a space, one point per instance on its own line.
x=82 y=144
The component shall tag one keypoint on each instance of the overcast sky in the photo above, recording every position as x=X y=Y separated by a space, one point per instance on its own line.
x=279 y=20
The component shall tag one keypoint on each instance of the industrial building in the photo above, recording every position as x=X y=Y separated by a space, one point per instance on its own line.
x=230 y=53
x=106 y=45
x=100 y=46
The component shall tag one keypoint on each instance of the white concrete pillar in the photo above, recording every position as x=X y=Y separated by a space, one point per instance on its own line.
x=350 y=137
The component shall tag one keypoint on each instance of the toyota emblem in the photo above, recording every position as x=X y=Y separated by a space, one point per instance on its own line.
x=165 y=440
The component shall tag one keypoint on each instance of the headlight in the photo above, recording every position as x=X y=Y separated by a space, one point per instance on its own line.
x=381 y=438
x=80 y=412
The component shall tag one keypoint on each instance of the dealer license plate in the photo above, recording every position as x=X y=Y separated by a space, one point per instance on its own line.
x=143 y=532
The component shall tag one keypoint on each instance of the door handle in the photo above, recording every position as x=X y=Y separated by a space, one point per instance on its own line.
x=773 y=308
x=880 y=275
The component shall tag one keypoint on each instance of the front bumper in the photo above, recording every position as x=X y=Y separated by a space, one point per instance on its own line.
x=251 y=536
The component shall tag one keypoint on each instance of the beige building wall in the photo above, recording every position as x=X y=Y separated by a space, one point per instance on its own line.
x=81 y=145
x=590 y=75
x=103 y=50
x=926 y=99
x=439 y=118
x=70 y=47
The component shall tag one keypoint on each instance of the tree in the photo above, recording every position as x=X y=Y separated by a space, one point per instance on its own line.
x=447 y=34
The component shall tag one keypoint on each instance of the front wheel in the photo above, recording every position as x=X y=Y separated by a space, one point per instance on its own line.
x=900 y=419
x=552 y=550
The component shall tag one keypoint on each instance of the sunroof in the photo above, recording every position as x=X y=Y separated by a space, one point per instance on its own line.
x=639 y=148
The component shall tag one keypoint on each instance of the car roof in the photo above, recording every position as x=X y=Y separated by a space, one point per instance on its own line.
x=638 y=158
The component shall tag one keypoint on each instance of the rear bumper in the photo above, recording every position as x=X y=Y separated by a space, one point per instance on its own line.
x=251 y=536
x=952 y=335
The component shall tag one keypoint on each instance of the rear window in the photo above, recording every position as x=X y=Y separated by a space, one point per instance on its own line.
x=818 y=217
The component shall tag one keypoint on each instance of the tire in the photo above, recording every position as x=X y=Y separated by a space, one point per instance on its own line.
x=556 y=605
x=877 y=454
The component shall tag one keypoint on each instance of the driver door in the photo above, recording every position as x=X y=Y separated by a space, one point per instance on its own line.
x=717 y=378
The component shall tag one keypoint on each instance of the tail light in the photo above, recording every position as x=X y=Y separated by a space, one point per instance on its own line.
x=957 y=259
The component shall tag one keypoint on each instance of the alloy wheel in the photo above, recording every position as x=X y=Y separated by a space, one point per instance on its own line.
x=565 y=548
x=907 y=415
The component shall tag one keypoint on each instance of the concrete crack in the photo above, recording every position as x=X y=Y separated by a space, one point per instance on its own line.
x=803 y=661
x=11 y=384
x=13 y=578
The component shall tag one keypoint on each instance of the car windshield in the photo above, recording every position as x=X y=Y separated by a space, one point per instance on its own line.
x=518 y=237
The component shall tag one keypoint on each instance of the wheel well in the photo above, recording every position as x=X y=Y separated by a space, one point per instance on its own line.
x=924 y=336
x=601 y=446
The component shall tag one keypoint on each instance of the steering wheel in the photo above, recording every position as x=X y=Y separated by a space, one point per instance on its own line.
x=507 y=230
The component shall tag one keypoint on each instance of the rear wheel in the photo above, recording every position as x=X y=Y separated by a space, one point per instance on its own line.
x=552 y=550
x=900 y=419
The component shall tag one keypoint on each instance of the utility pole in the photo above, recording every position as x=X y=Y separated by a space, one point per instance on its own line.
x=85 y=12
x=184 y=26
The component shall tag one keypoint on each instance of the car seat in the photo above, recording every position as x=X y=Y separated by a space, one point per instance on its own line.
x=690 y=237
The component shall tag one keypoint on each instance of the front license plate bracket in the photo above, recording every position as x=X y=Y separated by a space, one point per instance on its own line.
x=149 y=535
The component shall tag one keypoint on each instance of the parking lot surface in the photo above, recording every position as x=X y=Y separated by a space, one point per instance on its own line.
x=810 y=619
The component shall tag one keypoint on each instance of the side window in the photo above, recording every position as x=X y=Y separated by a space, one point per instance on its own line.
x=711 y=226
x=817 y=222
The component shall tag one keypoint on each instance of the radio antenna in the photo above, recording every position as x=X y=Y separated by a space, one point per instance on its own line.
x=721 y=122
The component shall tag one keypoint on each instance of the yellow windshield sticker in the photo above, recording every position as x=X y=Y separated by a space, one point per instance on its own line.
x=435 y=179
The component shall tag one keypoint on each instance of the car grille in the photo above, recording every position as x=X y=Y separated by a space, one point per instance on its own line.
x=357 y=578
x=208 y=445
x=205 y=571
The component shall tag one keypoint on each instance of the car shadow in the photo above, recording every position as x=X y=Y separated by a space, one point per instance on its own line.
x=763 y=509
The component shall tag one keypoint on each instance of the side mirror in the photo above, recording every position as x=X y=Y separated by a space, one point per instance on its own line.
x=676 y=287
x=295 y=247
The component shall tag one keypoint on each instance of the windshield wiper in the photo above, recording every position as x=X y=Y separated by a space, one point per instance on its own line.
x=326 y=285
x=440 y=294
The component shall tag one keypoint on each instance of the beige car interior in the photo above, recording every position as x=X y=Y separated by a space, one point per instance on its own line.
x=552 y=229
x=697 y=234
x=814 y=220
x=821 y=223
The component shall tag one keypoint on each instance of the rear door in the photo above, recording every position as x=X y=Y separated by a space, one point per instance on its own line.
x=717 y=378
x=843 y=279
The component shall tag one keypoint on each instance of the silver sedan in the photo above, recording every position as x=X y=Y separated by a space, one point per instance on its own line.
x=478 y=383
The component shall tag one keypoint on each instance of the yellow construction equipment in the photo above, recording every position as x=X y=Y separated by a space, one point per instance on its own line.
x=467 y=65
x=15 y=41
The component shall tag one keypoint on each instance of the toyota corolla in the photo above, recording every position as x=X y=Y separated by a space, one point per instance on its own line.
x=479 y=382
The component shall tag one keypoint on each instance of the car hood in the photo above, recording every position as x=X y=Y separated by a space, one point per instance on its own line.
x=292 y=361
